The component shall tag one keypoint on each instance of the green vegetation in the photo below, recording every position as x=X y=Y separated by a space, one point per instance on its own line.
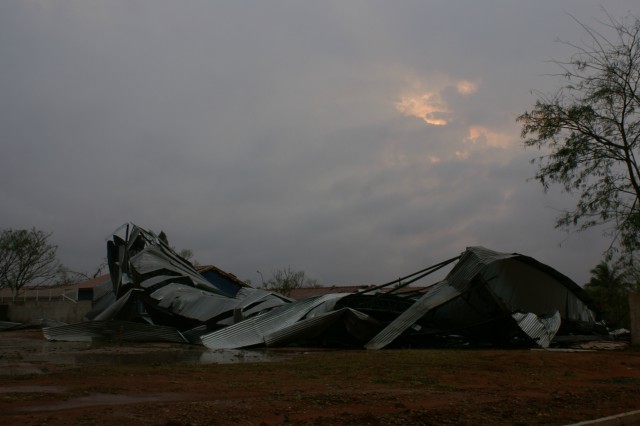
x=589 y=130
x=609 y=288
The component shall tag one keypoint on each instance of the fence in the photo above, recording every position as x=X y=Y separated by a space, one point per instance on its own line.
x=56 y=303
x=42 y=294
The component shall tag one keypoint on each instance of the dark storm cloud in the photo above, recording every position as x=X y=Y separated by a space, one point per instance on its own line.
x=267 y=134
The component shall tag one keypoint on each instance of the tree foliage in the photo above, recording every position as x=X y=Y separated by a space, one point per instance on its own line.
x=609 y=287
x=26 y=258
x=591 y=129
x=285 y=280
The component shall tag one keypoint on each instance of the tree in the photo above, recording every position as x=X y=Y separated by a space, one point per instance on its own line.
x=591 y=127
x=26 y=258
x=609 y=287
x=285 y=280
x=186 y=254
x=68 y=276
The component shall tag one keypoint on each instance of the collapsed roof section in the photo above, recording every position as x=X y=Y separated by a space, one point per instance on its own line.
x=487 y=298
x=498 y=298
x=151 y=283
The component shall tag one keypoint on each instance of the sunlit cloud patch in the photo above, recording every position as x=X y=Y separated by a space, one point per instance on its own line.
x=485 y=136
x=427 y=106
x=466 y=87
x=462 y=155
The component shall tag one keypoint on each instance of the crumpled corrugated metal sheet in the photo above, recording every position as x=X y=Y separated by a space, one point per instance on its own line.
x=488 y=297
x=153 y=260
x=151 y=284
x=113 y=330
x=541 y=330
x=471 y=302
x=171 y=287
x=360 y=327
x=253 y=331
x=440 y=294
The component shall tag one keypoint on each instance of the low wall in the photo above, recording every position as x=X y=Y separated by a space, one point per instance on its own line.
x=634 y=314
x=60 y=310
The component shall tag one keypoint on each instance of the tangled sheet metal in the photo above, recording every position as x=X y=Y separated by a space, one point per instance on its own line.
x=488 y=298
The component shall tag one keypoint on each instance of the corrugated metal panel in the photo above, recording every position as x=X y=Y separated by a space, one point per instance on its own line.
x=190 y=302
x=153 y=260
x=472 y=262
x=255 y=299
x=113 y=330
x=252 y=331
x=7 y=325
x=165 y=279
x=310 y=328
x=39 y=323
x=262 y=306
x=113 y=310
x=193 y=335
x=171 y=287
x=541 y=330
x=306 y=328
x=99 y=305
x=440 y=293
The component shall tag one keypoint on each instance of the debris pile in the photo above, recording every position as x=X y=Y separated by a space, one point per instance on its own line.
x=488 y=298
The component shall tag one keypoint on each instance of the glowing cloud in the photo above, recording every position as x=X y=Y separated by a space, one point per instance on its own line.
x=479 y=134
x=466 y=87
x=462 y=155
x=428 y=106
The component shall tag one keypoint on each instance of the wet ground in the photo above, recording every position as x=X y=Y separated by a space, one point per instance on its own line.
x=26 y=352
x=60 y=383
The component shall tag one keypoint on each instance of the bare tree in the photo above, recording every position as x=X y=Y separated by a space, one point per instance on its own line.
x=285 y=280
x=68 y=276
x=26 y=258
x=590 y=128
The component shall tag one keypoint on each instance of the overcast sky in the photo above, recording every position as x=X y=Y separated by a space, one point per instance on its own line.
x=355 y=140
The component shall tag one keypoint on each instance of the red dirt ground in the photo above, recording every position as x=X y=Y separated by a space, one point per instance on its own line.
x=152 y=384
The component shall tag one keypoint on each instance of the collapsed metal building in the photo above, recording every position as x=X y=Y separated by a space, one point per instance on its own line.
x=488 y=298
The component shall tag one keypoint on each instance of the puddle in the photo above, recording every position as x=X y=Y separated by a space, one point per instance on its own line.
x=192 y=356
x=33 y=357
x=29 y=354
x=230 y=356
x=102 y=399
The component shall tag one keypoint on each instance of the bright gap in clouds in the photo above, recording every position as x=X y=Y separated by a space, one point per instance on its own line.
x=465 y=87
x=427 y=106
x=430 y=106
x=480 y=134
